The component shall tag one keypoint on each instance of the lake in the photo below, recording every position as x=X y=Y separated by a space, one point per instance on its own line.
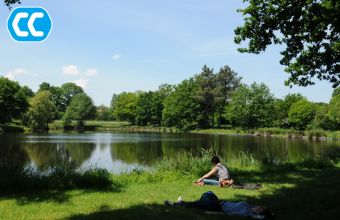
x=122 y=152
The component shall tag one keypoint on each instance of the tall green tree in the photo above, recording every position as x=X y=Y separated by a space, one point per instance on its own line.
x=227 y=82
x=334 y=112
x=56 y=97
x=125 y=107
x=80 y=109
x=301 y=114
x=251 y=106
x=68 y=90
x=157 y=106
x=41 y=111
x=181 y=107
x=321 y=118
x=13 y=102
x=206 y=95
x=309 y=31
x=144 y=108
x=104 y=113
x=282 y=108
x=27 y=91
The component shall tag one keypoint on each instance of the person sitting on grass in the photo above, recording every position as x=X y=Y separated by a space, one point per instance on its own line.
x=222 y=172
x=213 y=205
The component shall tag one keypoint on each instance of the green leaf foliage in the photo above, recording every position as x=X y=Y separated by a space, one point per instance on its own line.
x=41 y=111
x=308 y=30
x=251 y=106
x=125 y=107
x=301 y=114
x=13 y=101
x=181 y=107
x=80 y=109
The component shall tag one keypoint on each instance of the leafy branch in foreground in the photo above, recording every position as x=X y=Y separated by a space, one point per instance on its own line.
x=310 y=31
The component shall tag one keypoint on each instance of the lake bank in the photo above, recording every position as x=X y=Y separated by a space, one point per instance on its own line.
x=140 y=195
x=114 y=126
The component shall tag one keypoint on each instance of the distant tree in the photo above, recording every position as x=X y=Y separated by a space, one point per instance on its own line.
x=41 y=111
x=251 y=106
x=104 y=113
x=68 y=90
x=301 y=114
x=27 y=91
x=80 y=109
x=206 y=95
x=334 y=112
x=227 y=82
x=157 y=106
x=321 y=119
x=125 y=107
x=56 y=97
x=144 y=108
x=44 y=86
x=13 y=102
x=113 y=101
x=181 y=107
x=282 y=108
x=308 y=29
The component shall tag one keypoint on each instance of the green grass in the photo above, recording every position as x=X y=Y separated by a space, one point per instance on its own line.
x=303 y=194
x=305 y=190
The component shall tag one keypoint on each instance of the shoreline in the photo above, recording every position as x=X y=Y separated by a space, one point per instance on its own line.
x=106 y=126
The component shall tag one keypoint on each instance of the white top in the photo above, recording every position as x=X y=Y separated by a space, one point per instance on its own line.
x=222 y=172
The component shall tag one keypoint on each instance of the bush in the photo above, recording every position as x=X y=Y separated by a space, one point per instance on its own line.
x=17 y=179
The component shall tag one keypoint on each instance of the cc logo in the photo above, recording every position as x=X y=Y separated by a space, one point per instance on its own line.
x=29 y=24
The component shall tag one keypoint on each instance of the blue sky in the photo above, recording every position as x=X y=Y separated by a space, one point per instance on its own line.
x=112 y=46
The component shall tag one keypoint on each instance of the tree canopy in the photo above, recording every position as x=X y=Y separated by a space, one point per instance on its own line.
x=13 y=101
x=251 y=106
x=309 y=31
x=41 y=111
x=80 y=109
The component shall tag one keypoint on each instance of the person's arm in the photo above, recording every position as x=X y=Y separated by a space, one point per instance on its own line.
x=212 y=171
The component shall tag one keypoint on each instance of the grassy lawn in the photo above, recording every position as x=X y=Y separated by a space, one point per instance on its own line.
x=301 y=194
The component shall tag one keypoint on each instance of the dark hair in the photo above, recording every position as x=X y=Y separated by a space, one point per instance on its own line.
x=215 y=160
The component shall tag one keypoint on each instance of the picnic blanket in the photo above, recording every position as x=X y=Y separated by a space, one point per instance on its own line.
x=247 y=186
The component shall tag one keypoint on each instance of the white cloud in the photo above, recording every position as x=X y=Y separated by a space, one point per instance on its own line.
x=116 y=56
x=71 y=70
x=91 y=72
x=17 y=72
x=82 y=83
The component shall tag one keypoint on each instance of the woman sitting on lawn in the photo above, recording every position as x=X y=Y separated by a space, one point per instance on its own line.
x=222 y=173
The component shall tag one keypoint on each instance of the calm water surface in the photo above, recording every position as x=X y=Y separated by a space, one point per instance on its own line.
x=121 y=152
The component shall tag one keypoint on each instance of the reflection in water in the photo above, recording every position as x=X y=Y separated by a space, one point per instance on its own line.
x=120 y=152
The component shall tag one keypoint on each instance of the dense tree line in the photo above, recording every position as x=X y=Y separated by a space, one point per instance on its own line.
x=208 y=99
x=37 y=110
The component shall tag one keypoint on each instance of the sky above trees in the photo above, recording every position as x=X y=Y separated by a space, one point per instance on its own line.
x=116 y=46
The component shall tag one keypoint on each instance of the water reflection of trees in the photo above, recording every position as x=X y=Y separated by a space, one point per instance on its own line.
x=145 y=149
x=12 y=155
x=136 y=152
x=49 y=155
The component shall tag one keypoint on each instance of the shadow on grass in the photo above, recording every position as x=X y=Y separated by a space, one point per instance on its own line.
x=308 y=194
x=56 y=196
x=150 y=211
x=300 y=194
